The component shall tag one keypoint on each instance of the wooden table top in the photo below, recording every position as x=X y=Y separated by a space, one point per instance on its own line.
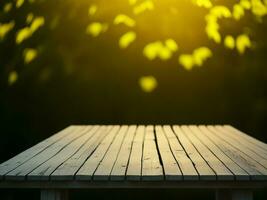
x=128 y=155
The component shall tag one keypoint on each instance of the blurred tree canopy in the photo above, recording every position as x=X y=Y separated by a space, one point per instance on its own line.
x=131 y=61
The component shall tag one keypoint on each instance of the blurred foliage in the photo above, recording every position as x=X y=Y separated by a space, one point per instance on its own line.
x=131 y=61
x=143 y=20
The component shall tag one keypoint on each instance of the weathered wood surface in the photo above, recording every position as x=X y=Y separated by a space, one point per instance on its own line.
x=100 y=153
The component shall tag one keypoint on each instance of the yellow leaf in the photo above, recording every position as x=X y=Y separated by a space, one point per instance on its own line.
x=29 y=55
x=5 y=28
x=12 y=77
x=96 y=28
x=258 y=8
x=151 y=50
x=171 y=45
x=245 y=4
x=127 y=39
x=92 y=10
x=37 y=23
x=242 y=43
x=23 y=34
x=187 y=61
x=201 y=54
x=220 y=11
x=212 y=32
x=19 y=3
x=203 y=3
x=238 y=12
x=229 y=42
x=124 y=19
x=157 y=49
x=144 y=6
x=148 y=83
x=29 y=18
x=7 y=7
x=164 y=53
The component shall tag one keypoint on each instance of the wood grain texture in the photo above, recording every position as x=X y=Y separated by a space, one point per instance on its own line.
x=170 y=166
x=253 y=150
x=21 y=158
x=152 y=168
x=222 y=172
x=134 y=168
x=204 y=170
x=238 y=172
x=67 y=170
x=186 y=165
x=245 y=162
x=126 y=154
x=120 y=166
x=20 y=172
x=87 y=170
x=261 y=163
x=105 y=166
x=44 y=170
x=247 y=137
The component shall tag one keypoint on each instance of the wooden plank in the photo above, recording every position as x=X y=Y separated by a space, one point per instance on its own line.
x=170 y=166
x=68 y=169
x=44 y=171
x=204 y=170
x=120 y=166
x=134 y=169
x=21 y=158
x=238 y=172
x=241 y=147
x=222 y=173
x=105 y=166
x=151 y=169
x=89 y=167
x=188 y=170
x=252 y=147
x=20 y=172
x=250 y=166
x=247 y=137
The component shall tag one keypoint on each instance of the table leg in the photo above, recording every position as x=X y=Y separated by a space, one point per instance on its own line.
x=234 y=195
x=52 y=194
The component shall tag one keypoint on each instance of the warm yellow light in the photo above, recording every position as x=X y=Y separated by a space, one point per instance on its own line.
x=148 y=83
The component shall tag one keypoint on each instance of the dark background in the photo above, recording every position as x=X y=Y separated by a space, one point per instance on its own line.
x=78 y=79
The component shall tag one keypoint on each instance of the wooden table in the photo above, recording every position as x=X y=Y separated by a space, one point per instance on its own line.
x=218 y=157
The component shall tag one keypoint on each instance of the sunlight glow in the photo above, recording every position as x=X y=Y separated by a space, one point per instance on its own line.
x=161 y=31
